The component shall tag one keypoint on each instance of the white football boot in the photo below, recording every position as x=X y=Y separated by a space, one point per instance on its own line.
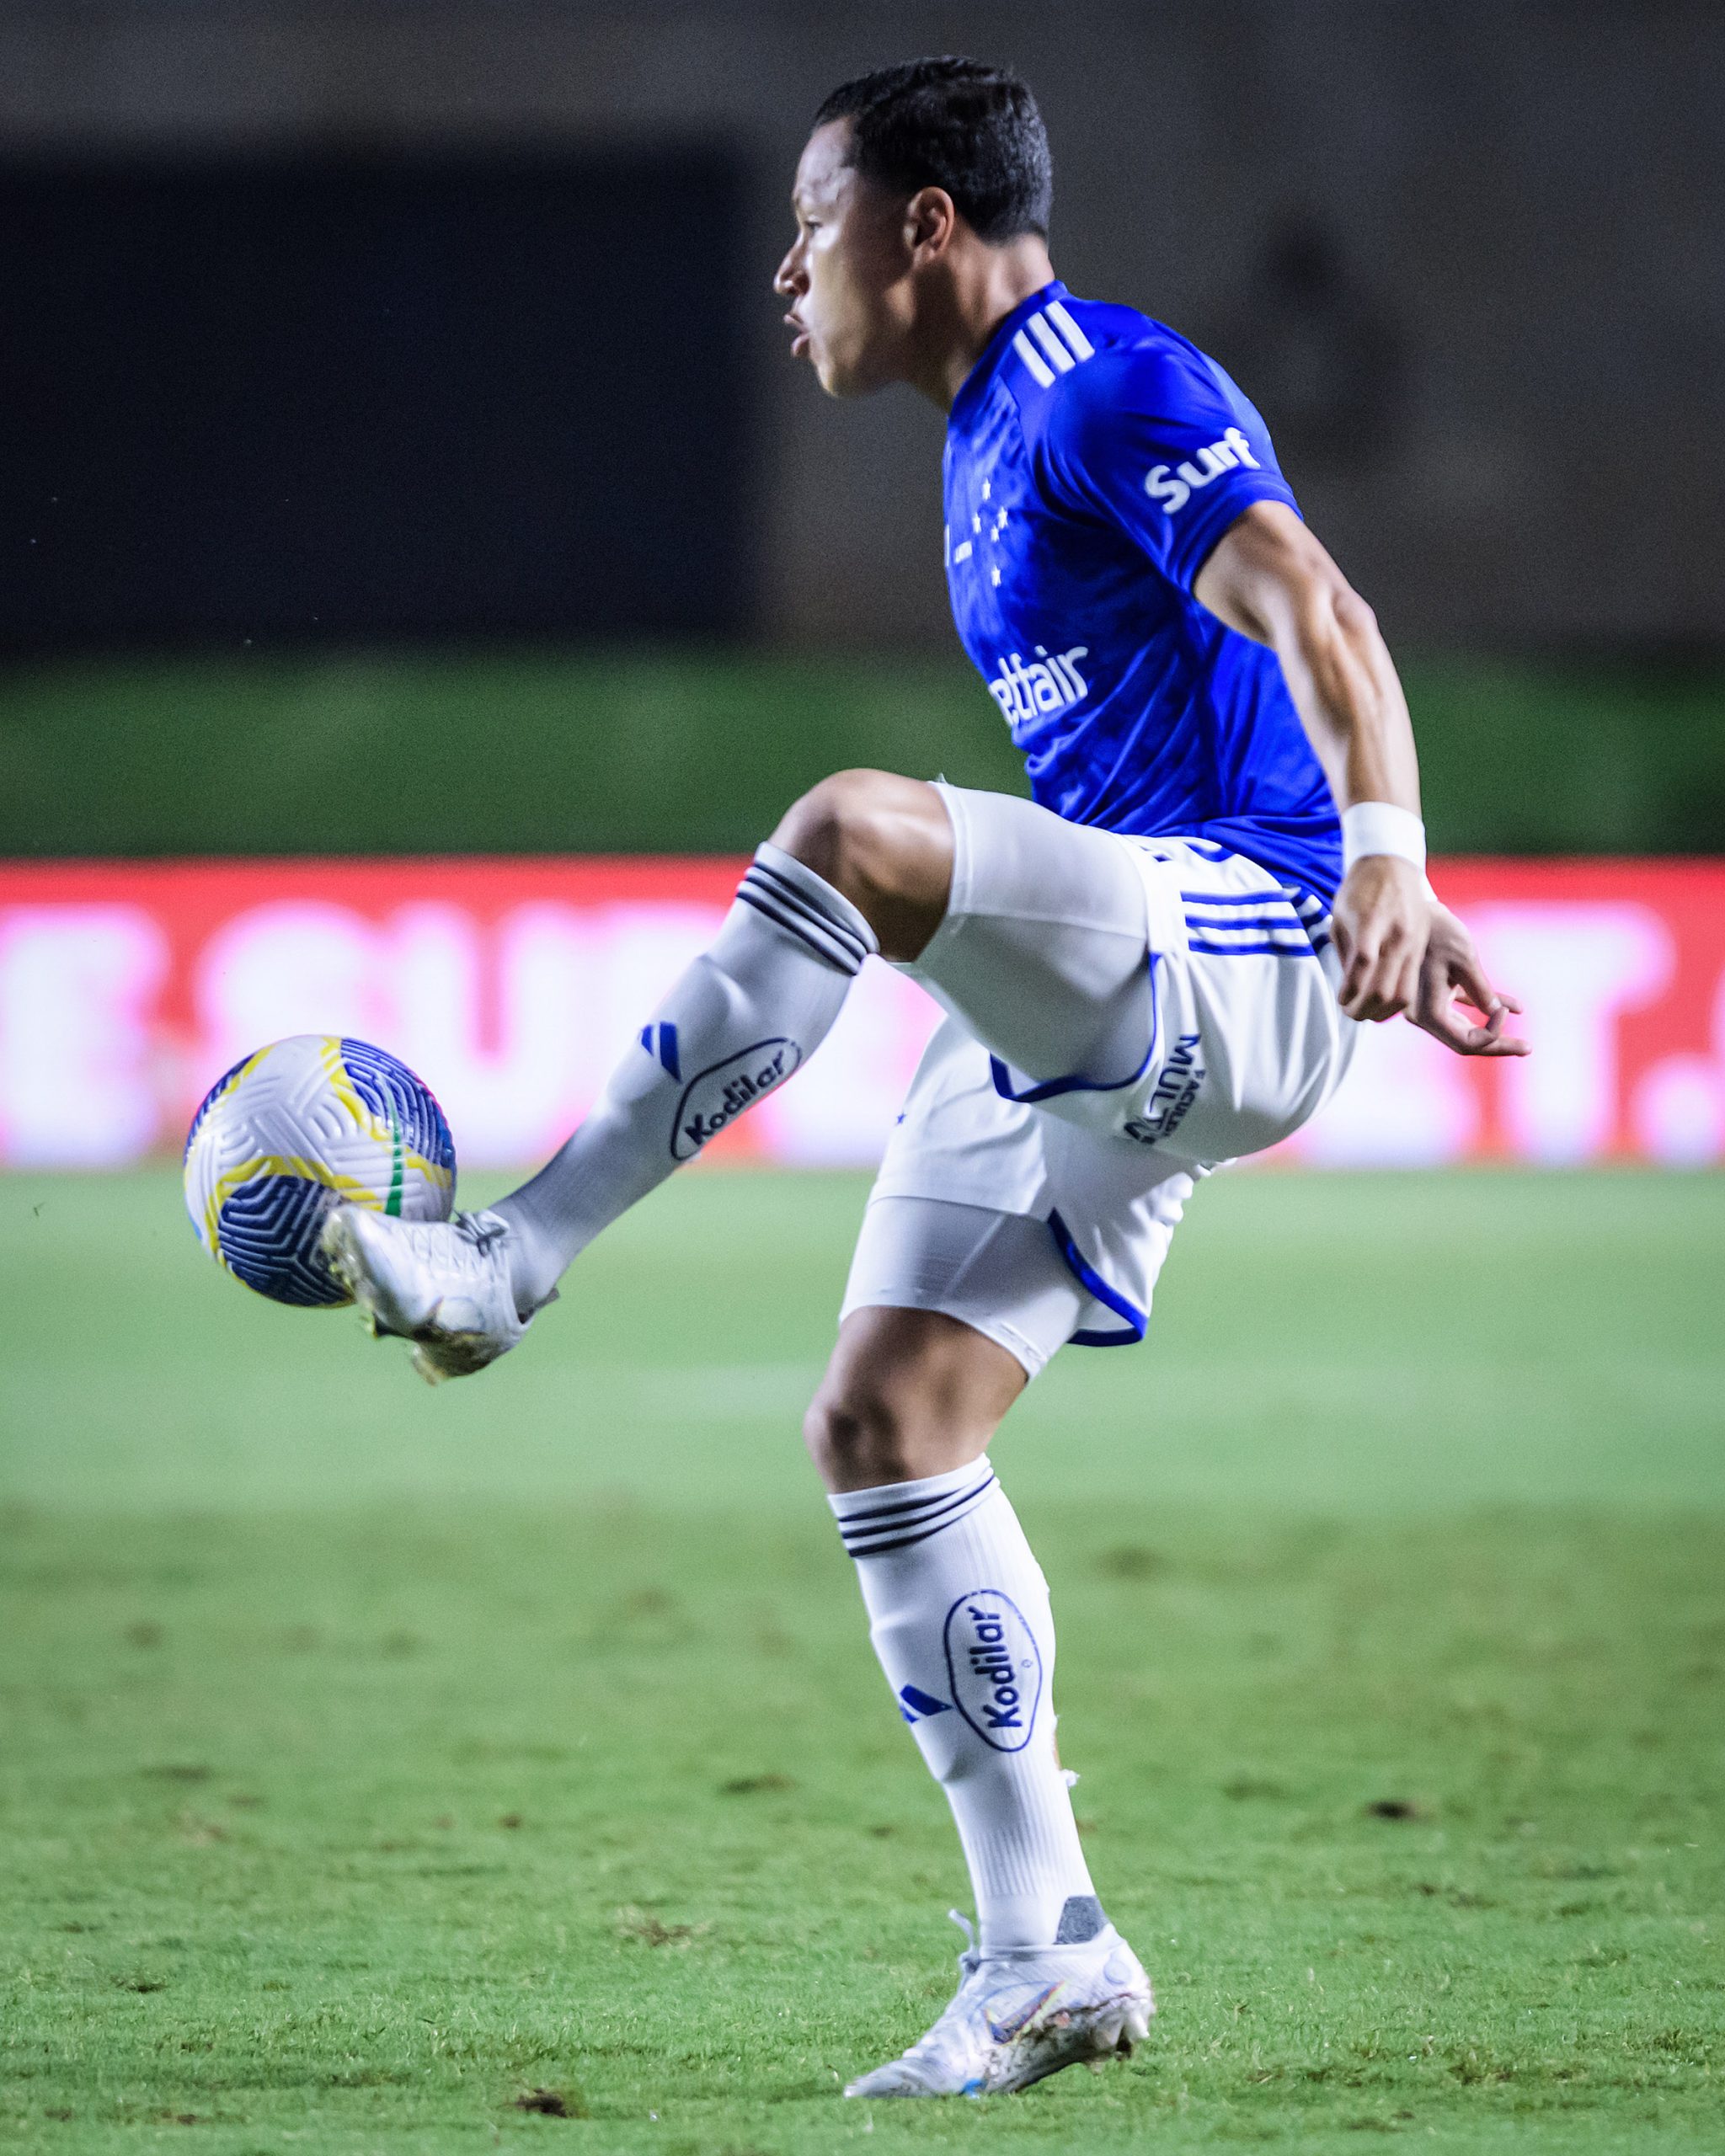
x=1022 y=2015
x=444 y=1284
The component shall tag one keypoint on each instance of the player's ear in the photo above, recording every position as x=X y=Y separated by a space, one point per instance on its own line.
x=930 y=217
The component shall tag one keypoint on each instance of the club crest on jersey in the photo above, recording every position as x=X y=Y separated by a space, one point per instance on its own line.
x=1176 y=1089
x=1174 y=489
x=1050 y=682
x=722 y=1093
x=995 y=1668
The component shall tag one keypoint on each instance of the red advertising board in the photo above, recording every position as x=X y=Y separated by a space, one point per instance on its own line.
x=126 y=988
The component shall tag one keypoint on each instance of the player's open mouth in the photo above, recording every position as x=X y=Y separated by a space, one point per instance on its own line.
x=799 y=341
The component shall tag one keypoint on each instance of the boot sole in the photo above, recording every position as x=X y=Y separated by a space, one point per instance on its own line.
x=1090 y=2035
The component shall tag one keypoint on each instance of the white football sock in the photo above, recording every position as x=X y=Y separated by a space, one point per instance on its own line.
x=958 y=1613
x=737 y=1023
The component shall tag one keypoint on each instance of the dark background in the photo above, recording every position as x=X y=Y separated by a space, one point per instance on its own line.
x=332 y=395
x=397 y=384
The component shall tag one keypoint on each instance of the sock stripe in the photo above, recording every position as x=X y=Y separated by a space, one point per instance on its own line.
x=822 y=948
x=775 y=895
x=794 y=894
x=767 y=885
x=791 y=877
x=904 y=1541
x=894 y=1527
x=861 y=1513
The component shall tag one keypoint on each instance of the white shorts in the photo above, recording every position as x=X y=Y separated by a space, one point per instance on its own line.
x=1126 y=1014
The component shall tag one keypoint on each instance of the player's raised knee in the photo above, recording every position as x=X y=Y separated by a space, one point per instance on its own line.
x=886 y=843
x=864 y=827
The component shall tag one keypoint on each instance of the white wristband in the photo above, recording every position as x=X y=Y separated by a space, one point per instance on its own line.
x=1381 y=827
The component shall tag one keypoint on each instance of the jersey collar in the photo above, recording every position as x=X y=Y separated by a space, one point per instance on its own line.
x=975 y=385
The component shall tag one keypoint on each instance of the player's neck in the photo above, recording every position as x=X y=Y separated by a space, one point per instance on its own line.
x=981 y=287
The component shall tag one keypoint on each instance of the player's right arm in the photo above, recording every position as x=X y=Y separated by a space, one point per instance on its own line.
x=1268 y=577
x=1147 y=437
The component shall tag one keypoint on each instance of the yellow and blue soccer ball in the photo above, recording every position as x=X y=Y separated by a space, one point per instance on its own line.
x=303 y=1125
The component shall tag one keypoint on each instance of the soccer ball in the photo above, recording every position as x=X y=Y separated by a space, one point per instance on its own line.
x=305 y=1124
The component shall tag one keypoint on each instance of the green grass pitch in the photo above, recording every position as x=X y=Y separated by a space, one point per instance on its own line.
x=372 y=1758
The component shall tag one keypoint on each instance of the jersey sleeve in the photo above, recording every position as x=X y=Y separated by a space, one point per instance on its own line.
x=1160 y=445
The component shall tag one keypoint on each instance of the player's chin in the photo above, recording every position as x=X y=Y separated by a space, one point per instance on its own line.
x=841 y=375
x=834 y=379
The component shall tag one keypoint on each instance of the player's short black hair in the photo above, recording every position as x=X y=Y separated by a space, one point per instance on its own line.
x=957 y=123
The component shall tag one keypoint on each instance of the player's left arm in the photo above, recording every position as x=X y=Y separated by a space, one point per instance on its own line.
x=1401 y=951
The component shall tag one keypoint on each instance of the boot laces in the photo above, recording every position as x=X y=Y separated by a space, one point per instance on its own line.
x=482 y=1230
x=970 y=1960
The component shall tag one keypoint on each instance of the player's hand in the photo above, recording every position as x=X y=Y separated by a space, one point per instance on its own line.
x=1381 y=923
x=1451 y=980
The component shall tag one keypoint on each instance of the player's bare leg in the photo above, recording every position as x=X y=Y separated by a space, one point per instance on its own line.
x=959 y=1617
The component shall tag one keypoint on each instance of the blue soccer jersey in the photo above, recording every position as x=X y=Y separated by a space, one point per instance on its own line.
x=1093 y=459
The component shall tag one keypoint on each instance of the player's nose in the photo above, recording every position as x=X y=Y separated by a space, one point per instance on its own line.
x=788 y=279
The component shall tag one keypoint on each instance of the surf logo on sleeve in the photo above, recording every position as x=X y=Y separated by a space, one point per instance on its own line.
x=1174 y=489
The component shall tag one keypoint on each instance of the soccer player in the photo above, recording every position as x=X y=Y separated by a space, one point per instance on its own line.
x=1159 y=962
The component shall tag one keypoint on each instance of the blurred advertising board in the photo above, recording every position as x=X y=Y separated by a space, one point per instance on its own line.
x=512 y=985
